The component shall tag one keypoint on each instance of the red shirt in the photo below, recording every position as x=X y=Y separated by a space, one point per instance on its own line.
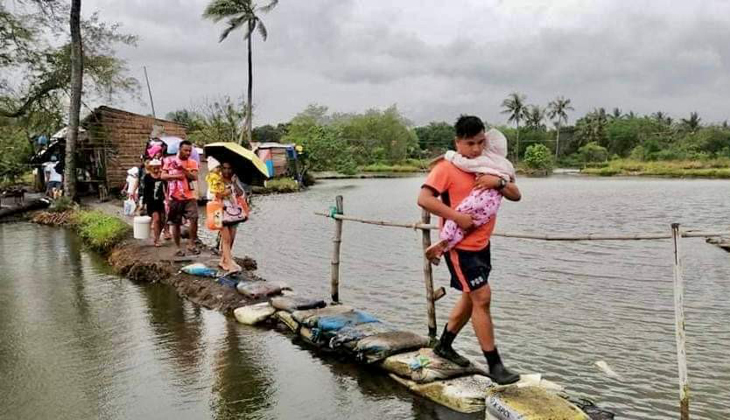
x=454 y=185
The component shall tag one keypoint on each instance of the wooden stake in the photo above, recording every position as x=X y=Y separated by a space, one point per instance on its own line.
x=679 y=325
x=428 y=277
x=335 y=282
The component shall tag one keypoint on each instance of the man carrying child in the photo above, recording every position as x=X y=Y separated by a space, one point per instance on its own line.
x=469 y=262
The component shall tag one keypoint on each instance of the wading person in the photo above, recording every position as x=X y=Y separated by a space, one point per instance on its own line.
x=153 y=198
x=179 y=172
x=224 y=185
x=469 y=262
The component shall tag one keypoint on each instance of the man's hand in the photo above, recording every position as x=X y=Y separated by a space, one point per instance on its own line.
x=464 y=221
x=486 y=182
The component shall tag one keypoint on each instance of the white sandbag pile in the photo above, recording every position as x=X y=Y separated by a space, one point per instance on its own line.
x=253 y=314
x=465 y=394
x=529 y=403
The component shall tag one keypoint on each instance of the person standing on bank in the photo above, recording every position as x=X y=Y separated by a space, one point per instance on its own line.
x=180 y=171
x=224 y=185
x=469 y=262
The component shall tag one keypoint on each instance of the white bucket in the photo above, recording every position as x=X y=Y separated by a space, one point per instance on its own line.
x=142 y=227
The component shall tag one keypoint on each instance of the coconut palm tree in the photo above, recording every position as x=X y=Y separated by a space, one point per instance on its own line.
x=74 y=112
x=557 y=111
x=616 y=114
x=535 y=117
x=692 y=123
x=515 y=106
x=241 y=14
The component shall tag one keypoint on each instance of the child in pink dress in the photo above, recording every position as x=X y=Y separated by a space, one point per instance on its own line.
x=482 y=204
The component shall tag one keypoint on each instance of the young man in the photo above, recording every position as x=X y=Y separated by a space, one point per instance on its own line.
x=180 y=172
x=469 y=262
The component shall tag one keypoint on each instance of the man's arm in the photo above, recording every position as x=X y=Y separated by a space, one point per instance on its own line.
x=428 y=201
x=510 y=191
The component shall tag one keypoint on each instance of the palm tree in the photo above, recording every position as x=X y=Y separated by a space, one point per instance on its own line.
x=515 y=106
x=557 y=109
x=241 y=14
x=77 y=78
x=692 y=123
x=534 y=117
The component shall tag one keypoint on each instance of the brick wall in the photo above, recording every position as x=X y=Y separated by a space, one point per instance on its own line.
x=123 y=135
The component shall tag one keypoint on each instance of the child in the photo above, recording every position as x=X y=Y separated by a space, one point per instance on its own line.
x=154 y=198
x=482 y=205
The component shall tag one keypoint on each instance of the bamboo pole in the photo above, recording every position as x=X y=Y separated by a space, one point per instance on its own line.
x=335 y=281
x=542 y=237
x=428 y=277
x=679 y=326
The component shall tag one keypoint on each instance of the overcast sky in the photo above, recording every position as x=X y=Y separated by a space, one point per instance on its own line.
x=437 y=59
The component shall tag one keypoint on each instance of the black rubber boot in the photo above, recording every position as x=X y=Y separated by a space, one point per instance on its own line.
x=448 y=353
x=501 y=375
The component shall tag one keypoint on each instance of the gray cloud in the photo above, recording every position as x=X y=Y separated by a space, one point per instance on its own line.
x=438 y=61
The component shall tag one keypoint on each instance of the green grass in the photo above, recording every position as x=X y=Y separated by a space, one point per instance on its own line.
x=713 y=168
x=100 y=231
x=408 y=165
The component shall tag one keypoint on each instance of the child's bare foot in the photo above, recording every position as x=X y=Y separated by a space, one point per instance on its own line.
x=435 y=251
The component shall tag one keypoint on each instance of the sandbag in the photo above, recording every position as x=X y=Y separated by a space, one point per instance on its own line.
x=253 y=314
x=199 y=269
x=286 y=318
x=424 y=366
x=336 y=322
x=347 y=337
x=312 y=315
x=529 y=403
x=259 y=289
x=465 y=394
x=296 y=303
x=379 y=346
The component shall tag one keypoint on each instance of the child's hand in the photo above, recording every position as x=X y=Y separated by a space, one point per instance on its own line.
x=487 y=182
x=464 y=221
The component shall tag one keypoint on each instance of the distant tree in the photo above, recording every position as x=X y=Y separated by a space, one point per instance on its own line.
x=592 y=127
x=692 y=123
x=535 y=117
x=241 y=14
x=557 y=112
x=514 y=105
x=435 y=136
x=267 y=133
x=616 y=114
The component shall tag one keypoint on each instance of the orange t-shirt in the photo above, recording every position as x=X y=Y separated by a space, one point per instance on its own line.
x=179 y=189
x=454 y=185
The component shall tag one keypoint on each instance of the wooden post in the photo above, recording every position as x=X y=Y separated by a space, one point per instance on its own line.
x=679 y=325
x=336 y=253
x=428 y=277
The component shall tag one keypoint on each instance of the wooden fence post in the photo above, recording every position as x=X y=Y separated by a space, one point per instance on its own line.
x=428 y=277
x=679 y=325
x=335 y=282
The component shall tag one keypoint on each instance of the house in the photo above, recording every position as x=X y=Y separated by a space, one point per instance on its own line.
x=111 y=142
x=280 y=159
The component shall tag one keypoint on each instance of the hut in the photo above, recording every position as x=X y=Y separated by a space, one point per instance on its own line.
x=112 y=143
x=280 y=158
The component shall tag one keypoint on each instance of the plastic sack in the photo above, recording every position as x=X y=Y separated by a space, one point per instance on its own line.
x=337 y=322
x=259 y=289
x=465 y=394
x=424 y=366
x=129 y=207
x=214 y=215
x=348 y=337
x=287 y=319
x=529 y=403
x=296 y=303
x=199 y=269
x=379 y=346
x=311 y=316
x=253 y=314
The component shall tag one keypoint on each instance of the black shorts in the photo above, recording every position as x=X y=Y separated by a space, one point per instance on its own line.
x=469 y=269
x=180 y=209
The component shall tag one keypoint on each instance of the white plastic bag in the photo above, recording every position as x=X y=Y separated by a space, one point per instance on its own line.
x=129 y=207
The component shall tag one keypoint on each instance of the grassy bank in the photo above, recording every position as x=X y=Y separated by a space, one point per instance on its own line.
x=714 y=168
x=408 y=165
x=100 y=231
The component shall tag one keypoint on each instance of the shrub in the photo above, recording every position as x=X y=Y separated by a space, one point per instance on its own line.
x=592 y=152
x=61 y=205
x=282 y=185
x=538 y=156
x=100 y=231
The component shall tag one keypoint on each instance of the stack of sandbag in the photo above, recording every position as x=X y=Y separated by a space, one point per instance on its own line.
x=424 y=366
x=529 y=403
x=464 y=394
x=296 y=303
x=253 y=314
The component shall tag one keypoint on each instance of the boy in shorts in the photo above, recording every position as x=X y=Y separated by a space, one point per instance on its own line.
x=469 y=262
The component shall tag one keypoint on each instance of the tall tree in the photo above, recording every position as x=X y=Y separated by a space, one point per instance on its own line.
x=515 y=106
x=557 y=112
x=241 y=14
x=535 y=117
x=692 y=123
x=77 y=78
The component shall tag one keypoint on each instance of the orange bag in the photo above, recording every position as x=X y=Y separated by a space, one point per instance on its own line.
x=214 y=215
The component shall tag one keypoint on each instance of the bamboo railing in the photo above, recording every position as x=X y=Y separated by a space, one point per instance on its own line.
x=432 y=296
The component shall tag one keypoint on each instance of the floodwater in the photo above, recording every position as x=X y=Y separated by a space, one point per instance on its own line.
x=78 y=342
